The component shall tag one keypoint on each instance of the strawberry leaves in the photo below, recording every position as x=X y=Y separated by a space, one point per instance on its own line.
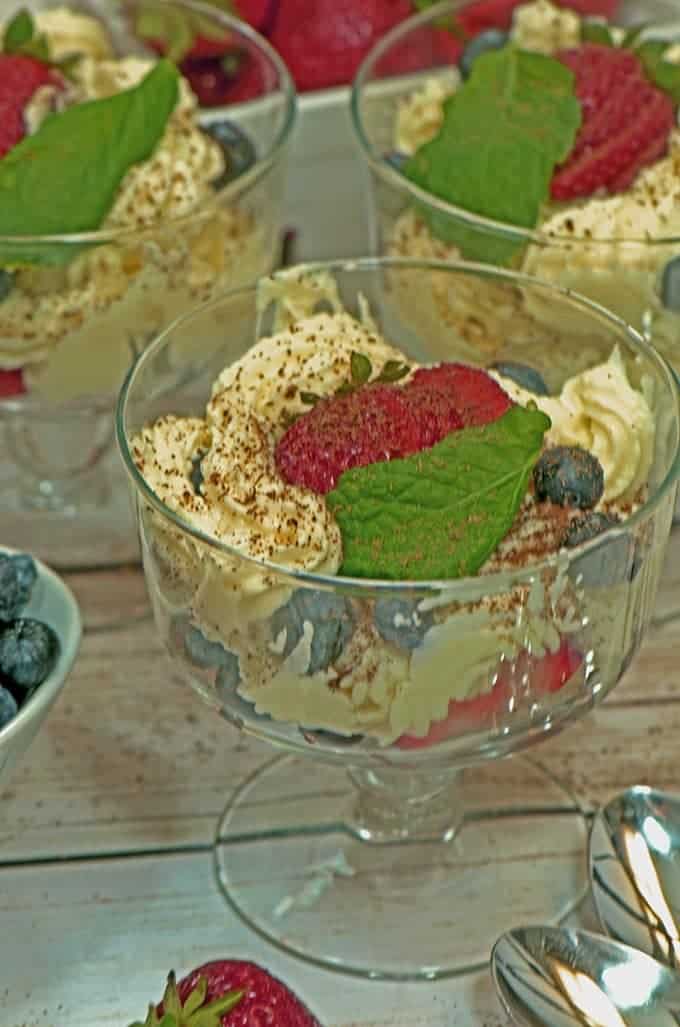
x=360 y=372
x=22 y=37
x=194 y=1012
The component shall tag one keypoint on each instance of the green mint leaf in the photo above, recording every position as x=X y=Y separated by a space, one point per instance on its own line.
x=440 y=513
x=595 y=31
x=662 y=73
x=634 y=34
x=19 y=31
x=360 y=368
x=504 y=131
x=393 y=371
x=64 y=179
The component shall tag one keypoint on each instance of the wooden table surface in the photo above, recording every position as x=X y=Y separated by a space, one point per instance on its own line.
x=105 y=831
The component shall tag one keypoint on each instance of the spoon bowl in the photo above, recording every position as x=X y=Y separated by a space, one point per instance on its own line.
x=634 y=866
x=561 y=977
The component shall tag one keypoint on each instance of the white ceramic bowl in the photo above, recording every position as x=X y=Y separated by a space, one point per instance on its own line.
x=54 y=604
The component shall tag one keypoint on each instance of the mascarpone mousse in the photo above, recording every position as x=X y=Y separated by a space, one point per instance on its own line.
x=387 y=674
x=74 y=328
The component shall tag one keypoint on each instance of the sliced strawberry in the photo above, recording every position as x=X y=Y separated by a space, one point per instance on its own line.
x=626 y=125
x=477 y=397
x=543 y=675
x=20 y=78
x=12 y=383
x=383 y=422
x=362 y=427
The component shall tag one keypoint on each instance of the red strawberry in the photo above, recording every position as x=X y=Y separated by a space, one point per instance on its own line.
x=488 y=14
x=323 y=41
x=229 y=993
x=372 y=423
x=546 y=674
x=20 y=78
x=626 y=122
x=383 y=422
x=11 y=383
x=478 y=398
x=258 y=13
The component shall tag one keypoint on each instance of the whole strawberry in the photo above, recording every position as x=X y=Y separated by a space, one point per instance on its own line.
x=228 y=993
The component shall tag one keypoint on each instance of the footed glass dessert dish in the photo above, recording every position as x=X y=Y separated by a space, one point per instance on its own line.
x=109 y=233
x=506 y=143
x=399 y=573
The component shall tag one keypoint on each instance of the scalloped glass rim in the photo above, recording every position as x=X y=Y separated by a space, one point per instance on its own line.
x=390 y=175
x=232 y=189
x=458 y=585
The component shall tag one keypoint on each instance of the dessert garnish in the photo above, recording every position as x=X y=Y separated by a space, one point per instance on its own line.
x=523 y=129
x=227 y=993
x=626 y=122
x=441 y=512
x=505 y=131
x=64 y=178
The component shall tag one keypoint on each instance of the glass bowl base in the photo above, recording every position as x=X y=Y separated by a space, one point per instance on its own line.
x=83 y=524
x=292 y=860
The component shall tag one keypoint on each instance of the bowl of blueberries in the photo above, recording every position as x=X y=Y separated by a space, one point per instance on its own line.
x=40 y=630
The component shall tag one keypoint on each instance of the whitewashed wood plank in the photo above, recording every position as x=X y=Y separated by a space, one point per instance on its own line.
x=129 y=760
x=91 y=944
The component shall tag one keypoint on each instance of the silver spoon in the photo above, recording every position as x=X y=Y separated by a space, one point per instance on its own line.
x=558 y=977
x=634 y=865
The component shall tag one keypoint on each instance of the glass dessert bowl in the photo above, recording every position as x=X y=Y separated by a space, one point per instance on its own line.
x=467 y=184
x=180 y=206
x=279 y=591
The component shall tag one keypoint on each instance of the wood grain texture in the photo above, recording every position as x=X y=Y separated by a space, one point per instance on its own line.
x=105 y=873
x=130 y=760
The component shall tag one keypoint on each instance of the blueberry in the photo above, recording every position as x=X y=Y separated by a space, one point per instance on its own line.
x=569 y=476
x=239 y=151
x=609 y=564
x=400 y=621
x=396 y=160
x=6 y=284
x=196 y=474
x=229 y=674
x=491 y=39
x=670 y=285
x=523 y=375
x=201 y=652
x=8 y=706
x=18 y=575
x=332 y=621
x=28 y=651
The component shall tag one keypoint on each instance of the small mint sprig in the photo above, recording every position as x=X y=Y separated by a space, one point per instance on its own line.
x=651 y=52
x=360 y=371
x=22 y=38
